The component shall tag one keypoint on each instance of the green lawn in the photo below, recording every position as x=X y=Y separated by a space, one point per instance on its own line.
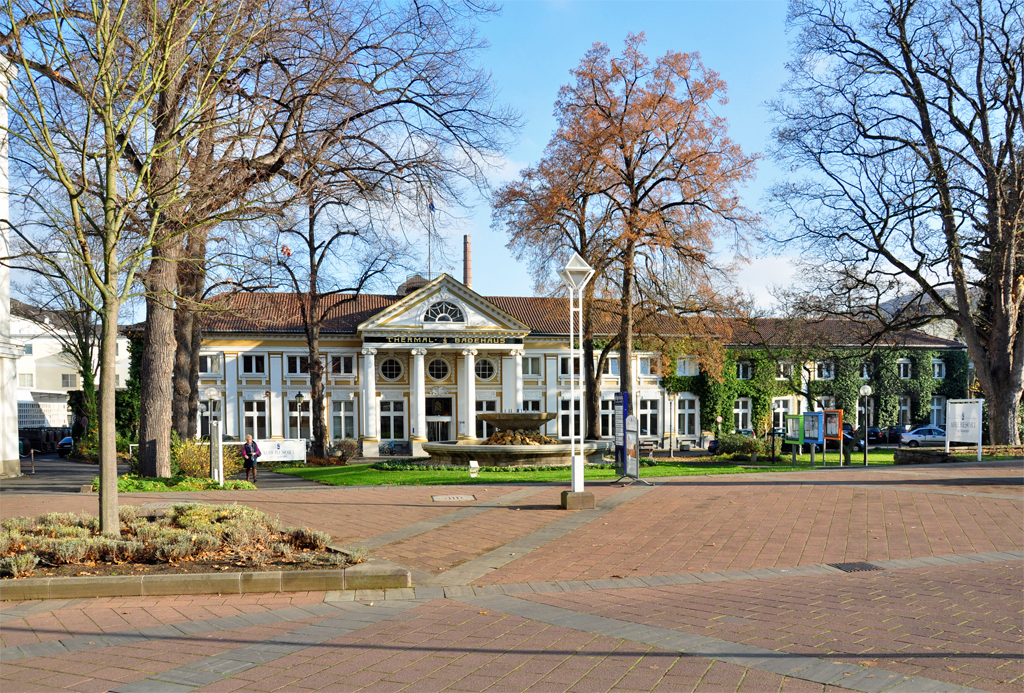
x=364 y=475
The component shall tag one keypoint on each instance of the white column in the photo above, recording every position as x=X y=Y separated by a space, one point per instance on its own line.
x=552 y=404
x=276 y=408
x=369 y=396
x=9 y=463
x=469 y=375
x=418 y=403
x=518 y=355
x=230 y=413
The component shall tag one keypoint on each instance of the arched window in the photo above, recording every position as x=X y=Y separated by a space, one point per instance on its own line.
x=443 y=311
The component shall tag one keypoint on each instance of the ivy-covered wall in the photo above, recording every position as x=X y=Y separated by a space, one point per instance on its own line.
x=717 y=395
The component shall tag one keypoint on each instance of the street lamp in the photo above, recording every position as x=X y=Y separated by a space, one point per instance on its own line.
x=575 y=275
x=865 y=392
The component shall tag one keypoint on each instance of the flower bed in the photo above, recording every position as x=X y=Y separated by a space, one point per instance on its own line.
x=131 y=483
x=188 y=538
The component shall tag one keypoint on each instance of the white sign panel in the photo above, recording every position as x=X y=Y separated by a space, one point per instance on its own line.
x=282 y=450
x=963 y=422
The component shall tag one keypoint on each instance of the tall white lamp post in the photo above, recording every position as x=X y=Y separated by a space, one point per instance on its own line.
x=865 y=392
x=575 y=275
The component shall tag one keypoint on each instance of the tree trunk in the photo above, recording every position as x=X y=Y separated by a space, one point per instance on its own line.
x=316 y=384
x=626 y=324
x=110 y=524
x=158 y=364
x=193 y=377
x=591 y=376
x=1002 y=401
x=183 y=319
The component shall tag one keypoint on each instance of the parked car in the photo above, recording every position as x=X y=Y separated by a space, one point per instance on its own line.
x=875 y=436
x=894 y=434
x=65 y=446
x=713 y=447
x=925 y=435
x=848 y=428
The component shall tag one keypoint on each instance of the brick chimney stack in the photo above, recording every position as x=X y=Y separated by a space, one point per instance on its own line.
x=467 y=263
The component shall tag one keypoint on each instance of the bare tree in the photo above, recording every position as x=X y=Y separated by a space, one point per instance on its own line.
x=907 y=116
x=80 y=108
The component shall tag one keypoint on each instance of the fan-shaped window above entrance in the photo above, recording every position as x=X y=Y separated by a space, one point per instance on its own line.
x=444 y=311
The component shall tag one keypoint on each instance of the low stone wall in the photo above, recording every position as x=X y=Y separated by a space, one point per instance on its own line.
x=958 y=453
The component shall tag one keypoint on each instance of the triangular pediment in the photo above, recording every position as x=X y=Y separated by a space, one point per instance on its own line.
x=443 y=306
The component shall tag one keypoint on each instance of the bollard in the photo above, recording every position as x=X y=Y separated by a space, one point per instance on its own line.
x=32 y=456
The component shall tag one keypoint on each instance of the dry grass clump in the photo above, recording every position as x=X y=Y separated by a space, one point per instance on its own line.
x=233 y=534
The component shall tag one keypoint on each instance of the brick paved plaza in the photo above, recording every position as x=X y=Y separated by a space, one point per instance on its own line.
x=718 y=583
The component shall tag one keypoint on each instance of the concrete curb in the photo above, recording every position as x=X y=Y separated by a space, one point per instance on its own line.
x=373 y=574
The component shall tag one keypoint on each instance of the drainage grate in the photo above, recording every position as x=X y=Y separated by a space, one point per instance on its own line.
x=855 y=567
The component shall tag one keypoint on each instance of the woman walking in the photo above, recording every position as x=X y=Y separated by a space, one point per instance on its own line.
x=250 y=454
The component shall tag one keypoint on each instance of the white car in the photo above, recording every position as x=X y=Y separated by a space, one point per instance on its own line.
x=926 y=435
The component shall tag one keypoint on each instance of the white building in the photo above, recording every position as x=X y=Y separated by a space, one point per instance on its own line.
x=45 y=372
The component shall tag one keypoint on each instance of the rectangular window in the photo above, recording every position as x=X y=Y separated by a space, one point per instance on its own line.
x=208 y=411
x=938 y=369
x=784 y=370
x=824 y=370
x=904 y=367
x=28 y=349
x=826 y=403
x=341 y=365
x=531 y=405
x=744 y=370
x=687 y=366
x=254 y=365
x=299 y=420
x=938 y=417
x=648 y=365
x=26 y=380
x=564 y=369
x=611 y=366
x=531 y=365
x=564 y=418
x=255 y=419
x=688 y=421
x=483 y=428
x=68 y=380
x=343 y=419
x=607 y=418
x=865 y=370
x=741 y=414
x=392 y=420
x=780 y=408
x=209 y=364
x=904 y=419
x=298 y=365
x=648 y=417
x=870 y=421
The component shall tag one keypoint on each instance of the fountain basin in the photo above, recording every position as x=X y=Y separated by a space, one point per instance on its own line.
x=513 y=421
x=459 y=454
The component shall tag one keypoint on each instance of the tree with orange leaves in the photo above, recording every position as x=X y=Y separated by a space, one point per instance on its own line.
x=668 y=172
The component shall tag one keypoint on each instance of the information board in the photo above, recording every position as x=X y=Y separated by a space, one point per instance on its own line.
x=963 y=420
x=814 y=427
x=794 y=429
x=833 y=424
x=282 y=450
x=631 y=468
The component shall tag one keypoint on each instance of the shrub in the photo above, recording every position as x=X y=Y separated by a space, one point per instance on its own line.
x=306 y=538
x=73 y=551
x=732 y=443
x=174 y=548
x=127 y=513
x=282 y=549
x=321 y=462
x=191 y=458
x=5 y=541
x=16 y=566
x=344 y=449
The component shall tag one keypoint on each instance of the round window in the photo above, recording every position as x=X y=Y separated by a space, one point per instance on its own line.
x=391 y=369
x=438 y=369
x=484 y=369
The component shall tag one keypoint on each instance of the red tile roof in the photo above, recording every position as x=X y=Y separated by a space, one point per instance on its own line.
x=279 y=313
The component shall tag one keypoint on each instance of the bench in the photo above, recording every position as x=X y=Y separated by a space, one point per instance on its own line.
x=647 y=448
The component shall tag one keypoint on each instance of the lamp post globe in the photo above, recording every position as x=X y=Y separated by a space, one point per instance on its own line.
x=865 y=392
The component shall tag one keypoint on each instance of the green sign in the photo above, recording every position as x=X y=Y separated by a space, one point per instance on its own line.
x=794 y=429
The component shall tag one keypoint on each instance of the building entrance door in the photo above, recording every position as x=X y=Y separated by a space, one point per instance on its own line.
x=439 y=419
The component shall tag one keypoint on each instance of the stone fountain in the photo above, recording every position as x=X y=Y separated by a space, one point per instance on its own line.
x=518 y=443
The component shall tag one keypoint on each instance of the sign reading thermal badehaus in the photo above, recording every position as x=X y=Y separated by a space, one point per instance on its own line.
x=963 y=422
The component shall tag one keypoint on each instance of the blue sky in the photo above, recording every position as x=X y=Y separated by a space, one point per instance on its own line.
x=535 y=43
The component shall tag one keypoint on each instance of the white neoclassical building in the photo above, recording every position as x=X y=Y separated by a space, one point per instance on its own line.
x=410 y=368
